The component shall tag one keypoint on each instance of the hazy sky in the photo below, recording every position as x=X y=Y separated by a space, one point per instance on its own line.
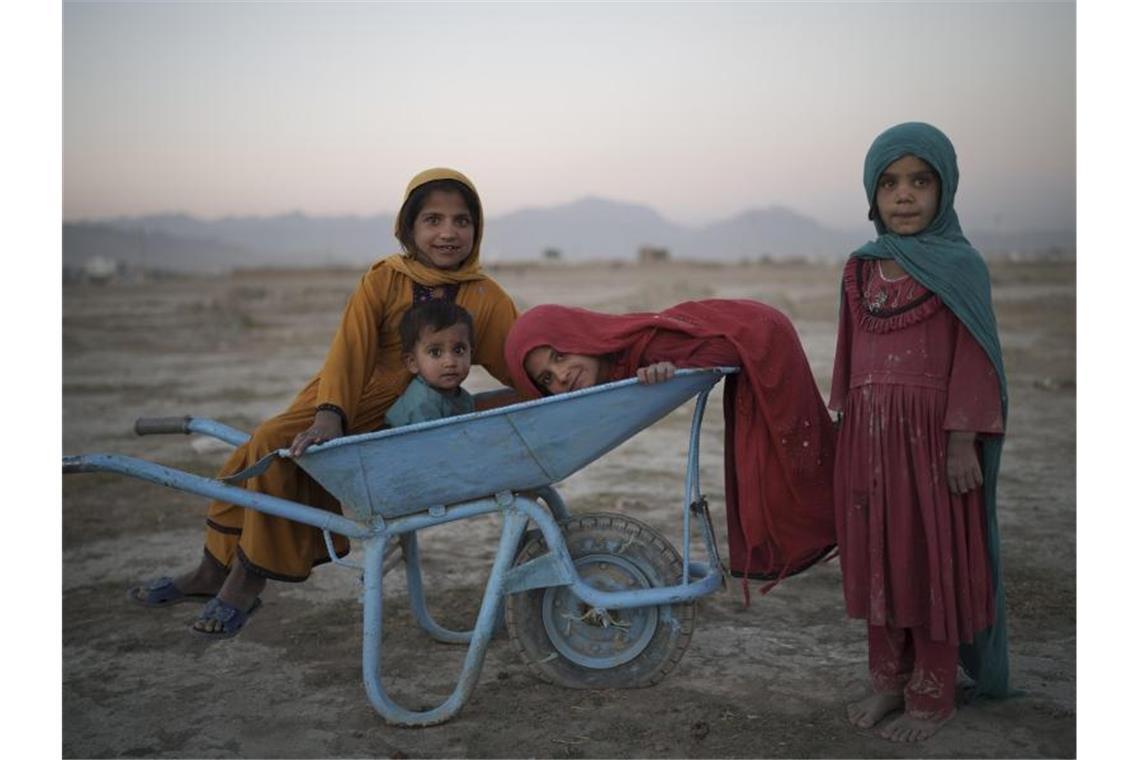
x=698 y=110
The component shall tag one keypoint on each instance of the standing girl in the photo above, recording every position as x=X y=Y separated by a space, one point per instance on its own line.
x=439 y=227
x=919 y=383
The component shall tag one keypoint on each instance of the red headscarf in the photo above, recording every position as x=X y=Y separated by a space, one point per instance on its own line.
x=779 y=438
x=574 y=331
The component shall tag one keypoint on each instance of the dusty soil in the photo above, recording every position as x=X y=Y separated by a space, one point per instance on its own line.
x=767 y=681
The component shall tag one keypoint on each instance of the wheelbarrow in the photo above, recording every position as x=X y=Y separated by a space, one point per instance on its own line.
x=593 y=601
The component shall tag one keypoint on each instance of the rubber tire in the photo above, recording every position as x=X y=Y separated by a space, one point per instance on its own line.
x=653 y=556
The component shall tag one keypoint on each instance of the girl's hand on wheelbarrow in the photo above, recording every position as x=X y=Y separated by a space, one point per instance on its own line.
x=326 y=426
x=656 y=373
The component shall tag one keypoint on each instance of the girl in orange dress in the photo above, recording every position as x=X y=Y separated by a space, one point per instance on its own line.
x=439 y=226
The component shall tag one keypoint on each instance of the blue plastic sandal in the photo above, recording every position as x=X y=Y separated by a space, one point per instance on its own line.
x=231 y=618
x=161 y=592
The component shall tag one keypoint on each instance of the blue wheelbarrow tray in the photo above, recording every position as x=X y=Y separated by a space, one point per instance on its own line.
x=631 y=612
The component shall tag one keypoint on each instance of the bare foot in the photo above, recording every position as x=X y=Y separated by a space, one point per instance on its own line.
x=240 y=589
x=870 y=710
x=908 y=728
x=207 y=578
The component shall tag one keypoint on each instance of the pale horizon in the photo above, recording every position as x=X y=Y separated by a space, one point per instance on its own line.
x=698 y=111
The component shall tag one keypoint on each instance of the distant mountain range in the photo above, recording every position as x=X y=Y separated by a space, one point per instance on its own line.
x=590 y=228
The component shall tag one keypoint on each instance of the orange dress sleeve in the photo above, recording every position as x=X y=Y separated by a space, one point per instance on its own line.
x=351 y=359
x=494 y=313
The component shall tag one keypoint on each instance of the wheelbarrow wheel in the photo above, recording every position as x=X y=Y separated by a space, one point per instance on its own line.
x=567 y=642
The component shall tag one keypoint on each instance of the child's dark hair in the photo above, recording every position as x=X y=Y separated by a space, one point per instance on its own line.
x=436 y=314
x=415 y=203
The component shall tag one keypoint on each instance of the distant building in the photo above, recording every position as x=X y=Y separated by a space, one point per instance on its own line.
x=101 y=268
x=552 y=254
x=648 y=254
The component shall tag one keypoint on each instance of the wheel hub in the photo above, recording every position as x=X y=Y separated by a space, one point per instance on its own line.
x=595 y=637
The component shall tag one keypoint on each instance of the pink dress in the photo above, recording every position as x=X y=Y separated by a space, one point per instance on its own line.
x=907 y=372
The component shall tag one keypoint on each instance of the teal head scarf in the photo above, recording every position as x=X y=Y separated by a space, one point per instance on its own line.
x=942 y=259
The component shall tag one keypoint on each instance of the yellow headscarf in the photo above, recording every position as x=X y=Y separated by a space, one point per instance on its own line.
x=428 y=275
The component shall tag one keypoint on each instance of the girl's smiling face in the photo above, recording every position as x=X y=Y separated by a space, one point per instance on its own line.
x=907 y=196
x=443 y=231
x=556 y=372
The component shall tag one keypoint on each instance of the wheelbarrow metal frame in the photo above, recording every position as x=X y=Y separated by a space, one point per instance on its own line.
x=518 y=509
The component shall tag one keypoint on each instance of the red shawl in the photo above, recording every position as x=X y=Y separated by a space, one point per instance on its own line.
x=779 y=439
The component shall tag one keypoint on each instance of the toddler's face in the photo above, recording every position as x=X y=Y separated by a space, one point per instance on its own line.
x=907 y=196
x=442 y=358
x=556 y=372
x=443 y=231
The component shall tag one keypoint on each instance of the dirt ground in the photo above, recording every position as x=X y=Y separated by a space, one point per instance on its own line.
x=767 y=681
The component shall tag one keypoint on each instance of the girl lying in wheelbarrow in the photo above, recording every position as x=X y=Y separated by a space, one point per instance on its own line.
x=779 y=439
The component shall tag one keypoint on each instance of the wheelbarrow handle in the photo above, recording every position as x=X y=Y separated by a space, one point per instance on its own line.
x=188 y=424
x=162 y=425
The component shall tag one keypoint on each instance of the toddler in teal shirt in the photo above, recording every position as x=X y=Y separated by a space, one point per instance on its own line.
x=436 y=338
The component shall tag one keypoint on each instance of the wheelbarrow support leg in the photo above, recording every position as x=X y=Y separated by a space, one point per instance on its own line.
x=416 y=597
x=514 y=521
